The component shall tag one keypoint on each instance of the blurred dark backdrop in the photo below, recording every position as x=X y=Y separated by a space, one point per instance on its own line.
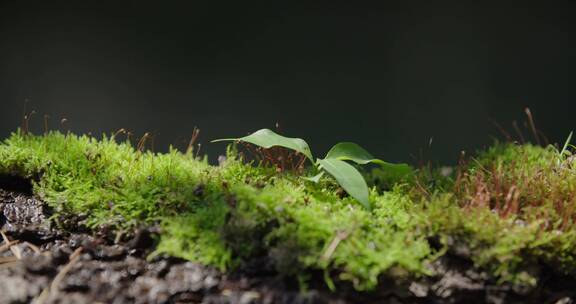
x=389 y=77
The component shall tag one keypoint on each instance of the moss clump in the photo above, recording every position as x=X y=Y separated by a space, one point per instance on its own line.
x=513 y=207
x=111 y=183
x=229 y=214
x=219 y=215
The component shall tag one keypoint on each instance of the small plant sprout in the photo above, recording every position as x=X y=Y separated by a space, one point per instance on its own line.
x=334 y=163
x=565 y=152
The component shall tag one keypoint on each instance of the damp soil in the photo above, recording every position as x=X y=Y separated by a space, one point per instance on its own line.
x=45 y=262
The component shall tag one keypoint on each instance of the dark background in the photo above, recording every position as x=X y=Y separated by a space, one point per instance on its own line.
x=389 y=77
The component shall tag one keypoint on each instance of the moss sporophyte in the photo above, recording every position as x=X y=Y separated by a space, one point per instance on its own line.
x=511 y=208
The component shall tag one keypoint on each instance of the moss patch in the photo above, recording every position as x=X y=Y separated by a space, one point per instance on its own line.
x=511 y=209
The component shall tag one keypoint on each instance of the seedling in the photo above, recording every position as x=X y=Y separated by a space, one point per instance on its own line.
x=565 y=152
x=334 y=163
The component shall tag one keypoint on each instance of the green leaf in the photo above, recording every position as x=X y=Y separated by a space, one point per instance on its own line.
x=266 y=138
x=348 y=177
x=315 y=179
x=388 y=175
x=566 y=144
x=353 y=152
x=398 y=171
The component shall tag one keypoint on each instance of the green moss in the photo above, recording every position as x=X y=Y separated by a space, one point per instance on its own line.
x=112 y=183
x=513 y=208
x=509 y=249
x=226 y=215
x=196 y=236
